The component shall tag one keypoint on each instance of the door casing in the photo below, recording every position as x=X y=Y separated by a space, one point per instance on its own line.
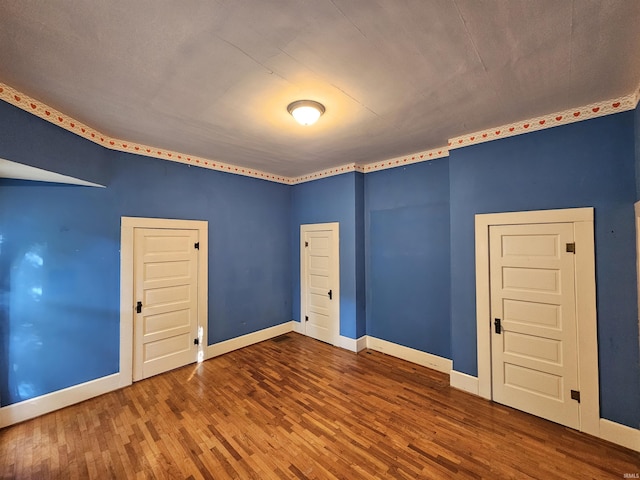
x=586 y=314
x=335 y=304
x=127 y=304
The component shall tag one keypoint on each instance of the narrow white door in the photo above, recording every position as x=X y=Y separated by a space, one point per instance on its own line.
x=320 y=281
x=166 y=296
x=533 y=314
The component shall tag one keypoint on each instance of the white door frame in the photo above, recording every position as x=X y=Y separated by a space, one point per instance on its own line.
x=586 y=315
x=127 y=304
x=335 y=267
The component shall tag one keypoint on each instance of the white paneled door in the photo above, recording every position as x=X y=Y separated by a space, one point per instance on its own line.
x=533 y=315
x=166 y=297
x=320 y=288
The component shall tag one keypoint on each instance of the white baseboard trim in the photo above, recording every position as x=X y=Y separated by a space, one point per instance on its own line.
x=346 y=343
x=34 y=407
x=249 y=339
x=465 y=382
x=352 y=344
x=620 y=434
x=410 y=354
x=343 y=342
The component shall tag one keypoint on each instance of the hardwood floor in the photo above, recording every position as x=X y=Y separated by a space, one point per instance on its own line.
x=292 y=407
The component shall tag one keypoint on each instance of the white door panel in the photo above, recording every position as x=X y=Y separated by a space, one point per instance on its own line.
x=533 y=382
x=533 y=280
x=166 y=270
x=531 y=347
x=167 y=347
x=166 y=283
x=534 y=356
x=531 y=313
x=163 y=322
x=320 y=281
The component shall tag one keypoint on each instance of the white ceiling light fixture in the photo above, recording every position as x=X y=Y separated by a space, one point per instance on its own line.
x=306 y=112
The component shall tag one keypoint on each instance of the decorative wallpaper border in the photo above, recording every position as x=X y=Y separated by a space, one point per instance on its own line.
x=598 y=109
x=329 y=172
x=39 y=109
x=418 y=157
x=371 y=167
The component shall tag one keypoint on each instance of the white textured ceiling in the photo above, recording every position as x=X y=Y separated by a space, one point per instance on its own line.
x=214 y=78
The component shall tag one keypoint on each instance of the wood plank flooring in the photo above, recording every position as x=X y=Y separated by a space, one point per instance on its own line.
x=293 y=407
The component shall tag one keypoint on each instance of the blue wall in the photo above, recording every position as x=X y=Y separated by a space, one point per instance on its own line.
x=361 y=284
x=331 y=199
x=59 y=299
x=408 y=270
x=589 y=163
x=60 y=260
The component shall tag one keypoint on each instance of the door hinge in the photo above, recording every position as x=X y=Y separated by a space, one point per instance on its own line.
x=575 y=395
x=196 y=245
x=306 y=319
x=139 y=307
x=571 y=247
x=306 y=244
x=196 y=341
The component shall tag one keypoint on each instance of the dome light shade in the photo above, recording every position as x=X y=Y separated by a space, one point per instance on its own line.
x=306 y=112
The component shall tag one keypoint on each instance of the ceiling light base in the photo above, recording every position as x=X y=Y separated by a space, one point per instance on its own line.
x=306 y=112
